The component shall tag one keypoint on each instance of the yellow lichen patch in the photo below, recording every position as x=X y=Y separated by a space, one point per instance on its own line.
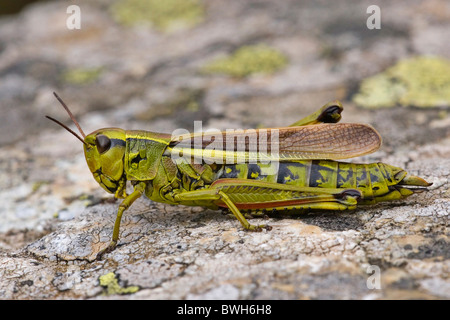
x=184 y=99
x=36 y=185
x=248 y=60
x=81 y=75
x=111 y=284
x=420 y=82
x=167 y=15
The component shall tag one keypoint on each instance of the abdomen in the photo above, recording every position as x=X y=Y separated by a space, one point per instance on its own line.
x=374 y=180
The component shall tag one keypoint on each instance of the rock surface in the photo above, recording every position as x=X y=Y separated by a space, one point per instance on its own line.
x=54 y=217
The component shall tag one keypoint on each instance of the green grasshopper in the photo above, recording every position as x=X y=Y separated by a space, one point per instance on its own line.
x=295 y=172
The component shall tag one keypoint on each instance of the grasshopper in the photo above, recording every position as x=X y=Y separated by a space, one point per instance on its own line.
x=243 y=177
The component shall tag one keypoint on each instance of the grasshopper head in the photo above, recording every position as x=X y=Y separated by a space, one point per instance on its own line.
x=104 y=150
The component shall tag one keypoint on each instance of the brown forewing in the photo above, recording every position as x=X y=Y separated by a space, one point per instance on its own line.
x=325 y=141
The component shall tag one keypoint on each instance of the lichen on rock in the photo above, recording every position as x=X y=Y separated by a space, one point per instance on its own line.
x=164 y=15
x=80 y=76
x=112 y=286
x=248 y=60
x=422 y=81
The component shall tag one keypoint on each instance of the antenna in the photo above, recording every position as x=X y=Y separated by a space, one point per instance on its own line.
x=70 y=114
x=71 y=117
x=67 y=128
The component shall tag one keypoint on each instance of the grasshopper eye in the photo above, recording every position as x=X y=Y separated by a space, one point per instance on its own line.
x=103 y=143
